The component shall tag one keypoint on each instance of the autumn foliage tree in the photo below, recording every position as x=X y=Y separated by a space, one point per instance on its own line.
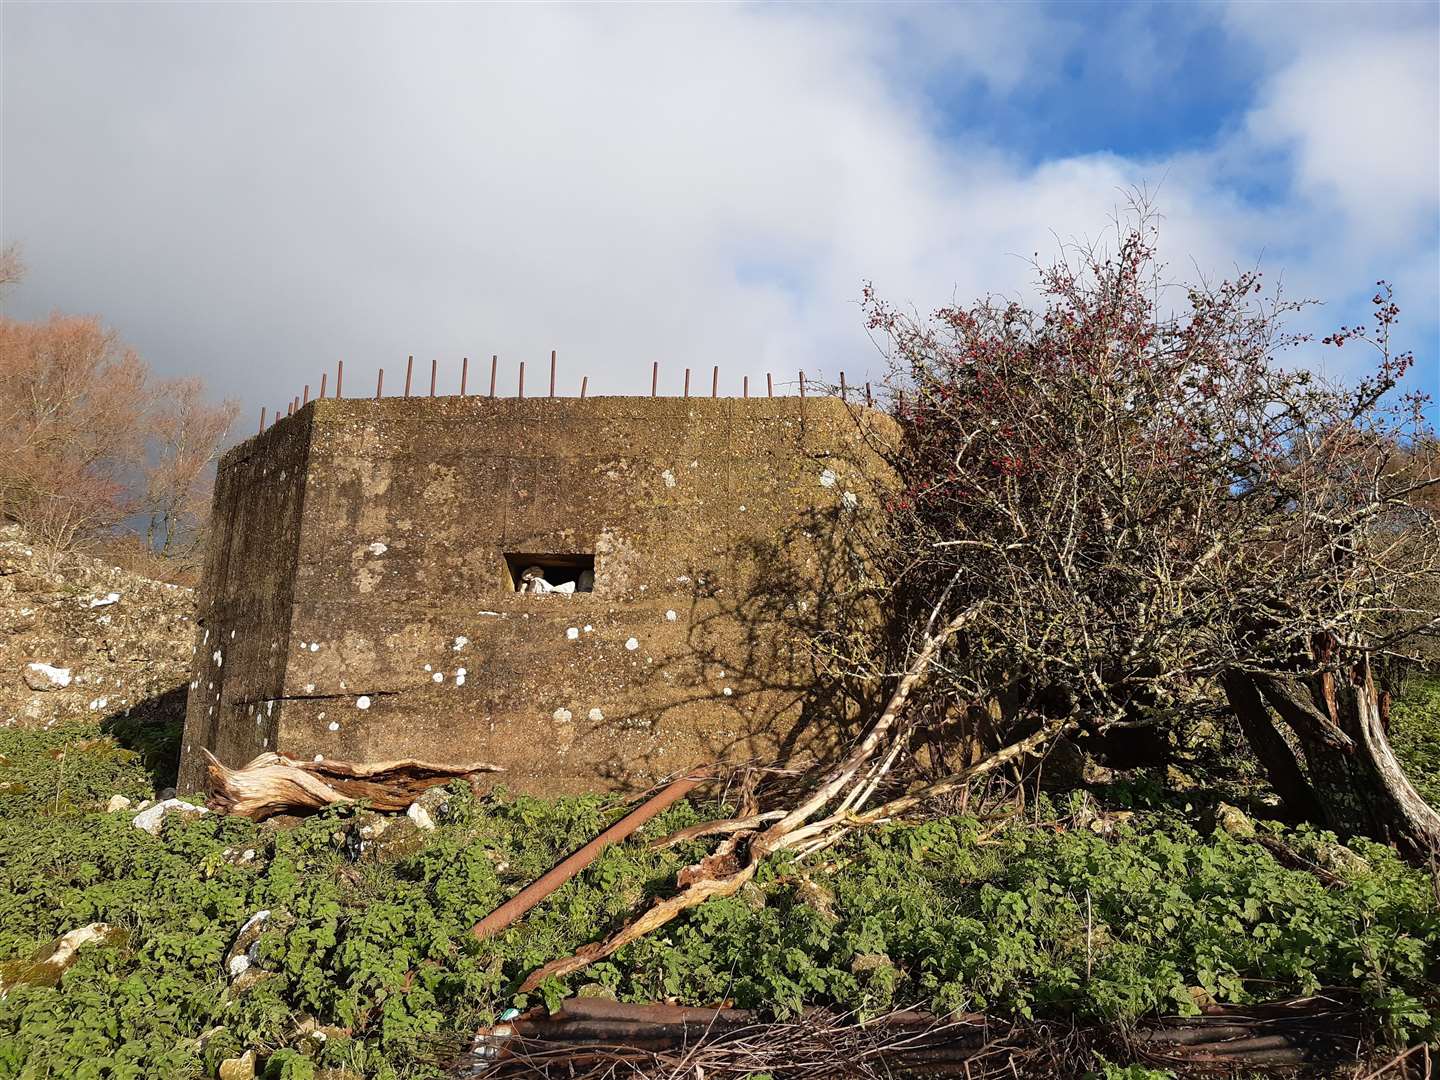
x=92 y=443
x=1145 y=510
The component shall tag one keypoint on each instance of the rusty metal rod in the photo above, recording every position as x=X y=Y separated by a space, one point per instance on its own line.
x=584 y=385
x=552 y=372
x=687 y=382
x=522 y=378
x=562 y=872
x=494 y=362
x=842 y=386
x=769 y=385
x=433 y=364
x=262 y=419
x=306 y=399
x=323 y=376
x=654 y=377
x=715 y=381
x=464 y=373
x=379 y=383
x=802 y=384
x=869 y=399
x=339 y=375
x=746 y=384
x=409 y=370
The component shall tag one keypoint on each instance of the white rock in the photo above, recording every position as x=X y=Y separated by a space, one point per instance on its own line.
x=827 y=479
x=562 y=715
x=460 y=642
x=377 y=548
x=420 y=816
x=632 y=644
x=45 y=677
x=596 y=714
x=671 y=616
x=106 y=600
x=117 y=802
x=362 y=702
x=150 y=819
x=668 y=477
x=572 y=633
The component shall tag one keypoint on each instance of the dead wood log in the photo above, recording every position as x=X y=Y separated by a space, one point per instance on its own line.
x=275 y=784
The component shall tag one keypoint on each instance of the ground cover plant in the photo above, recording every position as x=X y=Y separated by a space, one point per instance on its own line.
x=371 y=968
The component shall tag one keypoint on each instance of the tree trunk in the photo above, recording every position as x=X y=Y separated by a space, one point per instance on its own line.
x=1354 y=783
x=1286 y=776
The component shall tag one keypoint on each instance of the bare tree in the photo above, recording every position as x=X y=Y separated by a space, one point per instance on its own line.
x=88 y=440
x=1145 y=504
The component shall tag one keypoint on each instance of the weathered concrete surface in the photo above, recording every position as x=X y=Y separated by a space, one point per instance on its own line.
x=357 y=604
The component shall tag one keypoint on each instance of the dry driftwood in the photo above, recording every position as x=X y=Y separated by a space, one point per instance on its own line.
x=275 y=784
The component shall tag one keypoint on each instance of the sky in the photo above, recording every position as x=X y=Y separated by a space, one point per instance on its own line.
x=251 y=192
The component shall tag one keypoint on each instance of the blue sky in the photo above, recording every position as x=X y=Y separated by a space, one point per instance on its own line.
x=253 y=192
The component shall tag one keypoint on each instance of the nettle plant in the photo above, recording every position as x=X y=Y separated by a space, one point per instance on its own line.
x=1141 y=503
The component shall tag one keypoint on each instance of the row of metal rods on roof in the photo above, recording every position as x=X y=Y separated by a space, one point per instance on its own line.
x=304 y=399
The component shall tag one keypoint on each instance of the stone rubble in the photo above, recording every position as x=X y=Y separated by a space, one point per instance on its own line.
x=87 y=642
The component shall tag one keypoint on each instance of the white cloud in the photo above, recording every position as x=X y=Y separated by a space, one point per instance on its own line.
x=258 y=191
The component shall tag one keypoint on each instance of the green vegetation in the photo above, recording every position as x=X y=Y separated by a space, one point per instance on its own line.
x=1053 y=919
x=1415 y=735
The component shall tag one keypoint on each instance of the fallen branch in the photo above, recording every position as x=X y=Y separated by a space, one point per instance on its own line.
x=275 y=784
x=723 y=873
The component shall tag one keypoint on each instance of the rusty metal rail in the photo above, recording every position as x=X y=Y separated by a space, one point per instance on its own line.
x=562 y=872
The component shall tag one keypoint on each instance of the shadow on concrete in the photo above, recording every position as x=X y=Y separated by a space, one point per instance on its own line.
x=153 y=728
x=802 y=633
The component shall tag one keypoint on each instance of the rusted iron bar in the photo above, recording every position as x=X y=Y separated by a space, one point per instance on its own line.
x=687 y=382
x=290 y=409
x=802 y=384
x=409 y=370
x=552 y=372
x=745 y=383
x=654 y=377
x=339 y=376
x=842 y=386
x=522 y=379
x=715 y=381
x=542 y=887
x=464 y=373
x=262 y=419
x=379 y=383
x=769 y=385
x=494 y=363
x=305 y=400
x=584 y=385
x=869 y=399
x=433 y=365
x=323 y=376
